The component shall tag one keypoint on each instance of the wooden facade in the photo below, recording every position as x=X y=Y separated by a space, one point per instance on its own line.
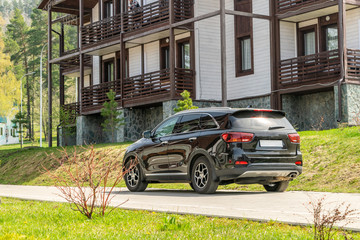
x=163 y=19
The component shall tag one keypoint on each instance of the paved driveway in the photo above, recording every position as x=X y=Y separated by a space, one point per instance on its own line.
x=288 y=207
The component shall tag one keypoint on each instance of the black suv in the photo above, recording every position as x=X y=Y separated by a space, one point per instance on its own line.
x=212 y=146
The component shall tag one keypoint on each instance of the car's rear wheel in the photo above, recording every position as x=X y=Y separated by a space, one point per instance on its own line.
x=134 y=179
x=277 y=187
x=202 y=177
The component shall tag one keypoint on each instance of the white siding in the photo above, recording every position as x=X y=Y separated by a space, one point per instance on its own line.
x=353 y=28
x=207 y=51
x=134 y=61
x=260 y=7
x=96 y=70
x=95 y=13
x=287 y=40
x=152 y=57
x=308 y=23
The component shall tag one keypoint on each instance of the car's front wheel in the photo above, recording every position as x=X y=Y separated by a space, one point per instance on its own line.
x=134 y=179
x=277 y=187
x=202 y=177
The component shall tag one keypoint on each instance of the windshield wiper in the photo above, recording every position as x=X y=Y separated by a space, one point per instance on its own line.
x=275 y=127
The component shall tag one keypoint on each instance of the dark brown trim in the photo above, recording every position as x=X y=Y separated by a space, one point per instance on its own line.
x=178 y=51
x=109 y=60
x=162 y=46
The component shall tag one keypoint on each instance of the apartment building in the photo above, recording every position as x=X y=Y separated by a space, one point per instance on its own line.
x=301 y=56
x=8 y=133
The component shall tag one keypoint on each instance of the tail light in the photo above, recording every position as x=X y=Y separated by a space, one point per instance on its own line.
x=263 y=110
x=294 y=138
x=298 y=163
x=241 y=163
x=241 y=137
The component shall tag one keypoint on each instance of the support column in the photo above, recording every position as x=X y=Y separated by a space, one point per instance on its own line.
x=275 y=56
x=172 y=50
x=223 y=54
x=62 y=77
x=122 y=51
x=50 y=75
x=81 y=85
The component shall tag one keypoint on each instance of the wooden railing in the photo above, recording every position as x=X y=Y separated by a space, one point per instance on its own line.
x=283 y=6
x=309 y=69
x=139 y=90
x=353 y=60
x=69 y=113
x=74 y=63
x=93 y=97
x=149 y=15
x=101 y=31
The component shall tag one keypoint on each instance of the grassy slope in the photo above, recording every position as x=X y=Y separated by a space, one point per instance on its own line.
x=41 y=220
x=331 y=163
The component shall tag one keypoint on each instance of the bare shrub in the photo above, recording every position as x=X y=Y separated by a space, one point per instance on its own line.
x=327 y=222
x=87 y=180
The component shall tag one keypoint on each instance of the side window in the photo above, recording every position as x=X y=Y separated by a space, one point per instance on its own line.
x=166 y=128
x=207 y=122
x=188 y=123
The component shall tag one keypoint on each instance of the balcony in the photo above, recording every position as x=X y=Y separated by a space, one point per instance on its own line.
x=353 y=65
x=317 y=68
x=147 y=17
x=139 y=90
x=70 y=112
x=72 y=63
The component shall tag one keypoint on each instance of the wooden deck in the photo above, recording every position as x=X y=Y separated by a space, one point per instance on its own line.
x=149 y=16
x=139 y=90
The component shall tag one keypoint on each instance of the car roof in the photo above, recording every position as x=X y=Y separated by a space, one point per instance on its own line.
x=226 y=110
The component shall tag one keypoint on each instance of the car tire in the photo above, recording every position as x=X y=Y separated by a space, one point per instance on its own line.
x=277 y=187
x=134 y=179
x=202 y=177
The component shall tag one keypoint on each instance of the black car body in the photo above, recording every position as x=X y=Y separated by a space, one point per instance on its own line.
x=212 y=146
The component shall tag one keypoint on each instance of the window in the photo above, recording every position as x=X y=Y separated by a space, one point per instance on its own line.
x=1 y=131
x=243 y=39
x=108 y=71
x=184 y=54
x=108 y=9
x=207 y=122
x=164 y=57
x=331 y=38
x=307 y=40
x=188 y=123
x=166 y=128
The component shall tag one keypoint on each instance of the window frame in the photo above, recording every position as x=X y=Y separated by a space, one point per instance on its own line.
x=179 y=46
x=104 y=73
x=301 y=39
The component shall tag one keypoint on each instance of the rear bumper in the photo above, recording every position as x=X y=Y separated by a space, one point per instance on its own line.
x=259 y=172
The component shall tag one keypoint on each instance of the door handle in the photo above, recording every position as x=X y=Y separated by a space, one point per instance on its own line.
x=192 y=139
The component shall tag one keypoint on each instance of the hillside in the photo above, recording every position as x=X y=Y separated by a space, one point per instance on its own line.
x=331 y=163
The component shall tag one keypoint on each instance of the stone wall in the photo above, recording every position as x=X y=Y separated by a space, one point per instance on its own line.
x=258 y=102
x=89 y=130
x=350 y=104
x=310 y=111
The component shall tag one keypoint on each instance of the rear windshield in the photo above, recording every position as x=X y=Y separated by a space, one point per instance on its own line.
x=260 y=120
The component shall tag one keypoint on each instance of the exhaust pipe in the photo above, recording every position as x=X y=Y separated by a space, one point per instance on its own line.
x=293 y=175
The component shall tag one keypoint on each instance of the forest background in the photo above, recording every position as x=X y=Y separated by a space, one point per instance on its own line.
x=23 y=35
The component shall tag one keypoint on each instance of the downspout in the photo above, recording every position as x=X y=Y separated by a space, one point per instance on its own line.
x=343 y=57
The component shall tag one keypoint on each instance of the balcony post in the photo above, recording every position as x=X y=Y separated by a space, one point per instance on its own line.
x=342 y=38
x=172 y=50
x=223 y=53
x=123 y=9
x=81 y=85
x=274 y=56
x=62 y=77
x=50 y=75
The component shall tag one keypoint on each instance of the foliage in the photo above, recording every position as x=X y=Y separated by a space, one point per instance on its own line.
x=186 y=103
x=113 y=119
x=325 y=219
x=9 y=86
x=91 y=169
x=67 y=119
x=20 y=121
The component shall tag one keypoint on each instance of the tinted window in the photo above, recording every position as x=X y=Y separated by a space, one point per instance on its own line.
x=207 y=122
x=188 y=123
x=260 y=121
x=166 y=128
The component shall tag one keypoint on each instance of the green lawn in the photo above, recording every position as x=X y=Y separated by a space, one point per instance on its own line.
x=42 y=220
x=331 y=163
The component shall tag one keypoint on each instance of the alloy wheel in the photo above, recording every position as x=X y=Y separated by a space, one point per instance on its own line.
x=201 y=175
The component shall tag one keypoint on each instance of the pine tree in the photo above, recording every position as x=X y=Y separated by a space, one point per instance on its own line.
x=20 y=122
x=112 y=116
x=186 y=103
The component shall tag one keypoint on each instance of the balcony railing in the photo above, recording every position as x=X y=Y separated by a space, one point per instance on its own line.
x=73 y=63
x=353 y=60
x=149 y=15
x=314 y=68
x=69 y=113
x=283 y=6
x=139 y=90
x=93 y=97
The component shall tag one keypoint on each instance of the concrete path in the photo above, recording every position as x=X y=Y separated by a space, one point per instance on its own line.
x=288 y=207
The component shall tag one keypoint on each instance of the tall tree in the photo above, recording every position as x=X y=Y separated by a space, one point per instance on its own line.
x=16 y=36
x=9 y=86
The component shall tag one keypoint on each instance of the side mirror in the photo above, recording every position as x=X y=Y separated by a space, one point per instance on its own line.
x=147 y=134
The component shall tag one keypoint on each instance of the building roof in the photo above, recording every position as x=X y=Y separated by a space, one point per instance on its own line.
x=68 y=6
